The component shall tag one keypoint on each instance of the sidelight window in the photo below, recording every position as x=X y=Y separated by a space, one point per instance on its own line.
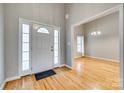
x=56 y=47
x=25 y=47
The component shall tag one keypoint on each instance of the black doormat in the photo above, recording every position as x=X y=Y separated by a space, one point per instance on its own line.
x=44 y=74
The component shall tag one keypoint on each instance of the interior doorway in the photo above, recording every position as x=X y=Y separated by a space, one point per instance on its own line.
x=93 y=54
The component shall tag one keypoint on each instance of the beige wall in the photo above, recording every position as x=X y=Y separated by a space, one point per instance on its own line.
x=105 y=45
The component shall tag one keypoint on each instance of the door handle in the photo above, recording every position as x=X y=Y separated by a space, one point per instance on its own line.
x=52 y=50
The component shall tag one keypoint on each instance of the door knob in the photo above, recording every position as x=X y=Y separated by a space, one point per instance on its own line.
x=51 y=49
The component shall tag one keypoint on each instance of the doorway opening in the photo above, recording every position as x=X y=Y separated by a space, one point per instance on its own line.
x=95 y=51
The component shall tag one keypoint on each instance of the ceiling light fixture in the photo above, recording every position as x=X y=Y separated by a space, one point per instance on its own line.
x=95 y=33
x=98 y=32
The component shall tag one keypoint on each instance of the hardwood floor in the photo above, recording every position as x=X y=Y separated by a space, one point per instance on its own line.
x=87 y=73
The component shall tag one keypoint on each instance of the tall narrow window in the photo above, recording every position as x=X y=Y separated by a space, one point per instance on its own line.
x=79 y=44
x=25 y=47
x=56 y=47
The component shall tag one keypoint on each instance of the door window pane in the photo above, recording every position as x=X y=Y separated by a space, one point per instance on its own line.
x=25 y=65
x=56 y=47
x=25 y=37
x=43 y=30
x=56 y=60
x=56 y=53
x=56 y=33
x=25 y=47
x=56 y=40
x=25 y=56
x=25 y=28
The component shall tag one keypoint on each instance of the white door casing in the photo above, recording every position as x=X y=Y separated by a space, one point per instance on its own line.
x=42 y=50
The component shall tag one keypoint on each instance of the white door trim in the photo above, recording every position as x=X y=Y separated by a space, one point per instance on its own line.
x=19 y=42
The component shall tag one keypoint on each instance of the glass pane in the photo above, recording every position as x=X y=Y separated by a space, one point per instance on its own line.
x=25 y=28
x=56 y=40
x=55 y=53
x=79 y=48
x=56 y=33
x=25 y=56
x=79 y=44
x=55 y=46
x=55 y=60
x=25 y=65
x=25 y=37
x=25 y=47
x=43 y=30
x=79 y=39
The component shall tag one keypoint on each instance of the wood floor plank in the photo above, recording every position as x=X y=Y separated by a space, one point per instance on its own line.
x=59 y=85
x=87 y=73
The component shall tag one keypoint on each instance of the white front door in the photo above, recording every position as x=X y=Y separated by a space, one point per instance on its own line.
x=42 y=48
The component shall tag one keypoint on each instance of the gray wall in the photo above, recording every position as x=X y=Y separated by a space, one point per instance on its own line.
x=45 y=13
x=1 y=44
x=105 y=45
x=77 y=13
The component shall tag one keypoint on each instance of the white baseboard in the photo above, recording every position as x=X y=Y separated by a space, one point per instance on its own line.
x=9 y=79
x=79 y=57
x=2 y=86
x=12 y=78
x=61 y=65
x=18 y=77
x=66 y=66
x=103 y=58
